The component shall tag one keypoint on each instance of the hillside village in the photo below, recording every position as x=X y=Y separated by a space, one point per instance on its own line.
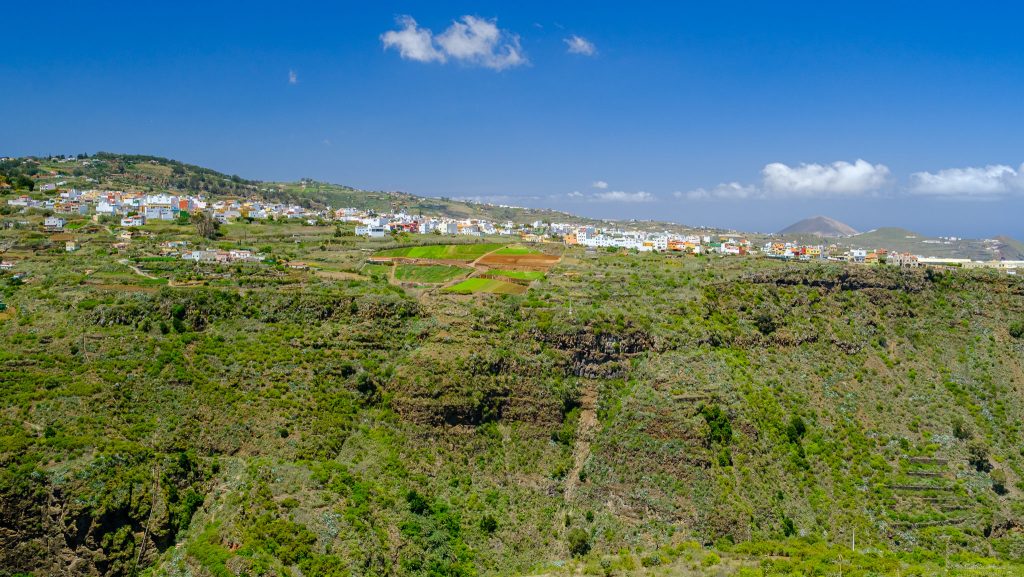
x=131 y=210
x=57 y=199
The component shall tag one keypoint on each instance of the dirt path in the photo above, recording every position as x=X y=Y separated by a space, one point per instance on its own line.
x=137 y=270
x=584 y=435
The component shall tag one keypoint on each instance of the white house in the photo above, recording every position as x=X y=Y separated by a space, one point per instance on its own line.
x=372 y=231
x=54 y=223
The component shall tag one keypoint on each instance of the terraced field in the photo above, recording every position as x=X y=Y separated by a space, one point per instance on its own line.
x=459 y=252
x=484 y=285
x=376 y=270
x=516 y=249
x=526 y=261
x=429 y=273
x=529 y=275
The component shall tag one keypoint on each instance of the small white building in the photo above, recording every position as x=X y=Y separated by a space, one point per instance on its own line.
x=54 y=223
x=372 y=231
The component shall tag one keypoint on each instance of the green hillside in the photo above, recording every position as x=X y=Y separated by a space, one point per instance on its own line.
x=155 y=174
x=627 y=414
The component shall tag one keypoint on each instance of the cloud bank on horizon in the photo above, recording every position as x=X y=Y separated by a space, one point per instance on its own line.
x=860 y=178
x=988 y=182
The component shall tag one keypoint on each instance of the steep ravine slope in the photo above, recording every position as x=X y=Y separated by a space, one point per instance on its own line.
x=349 y=428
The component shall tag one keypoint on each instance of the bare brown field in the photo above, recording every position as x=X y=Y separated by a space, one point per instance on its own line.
x=541 y=262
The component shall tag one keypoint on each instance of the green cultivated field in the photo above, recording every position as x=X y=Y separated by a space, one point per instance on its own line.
x=483 y=285
x=462 y=252
x=530 y=275
x=516 y=250
x=428 y=273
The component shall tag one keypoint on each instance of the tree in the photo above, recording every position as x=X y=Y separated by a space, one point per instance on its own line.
x=488 y=524
x=206 y=226
x=766 y=323
x=22 y=181
x=960 y=428
x=579 y=542
x=1017 y=330
x=977 y=456
x=418 y=504
x=719 y=428
x=788 y=527
x=998 y=481
x=796 y=429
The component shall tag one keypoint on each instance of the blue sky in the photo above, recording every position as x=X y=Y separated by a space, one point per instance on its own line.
x=730 y=114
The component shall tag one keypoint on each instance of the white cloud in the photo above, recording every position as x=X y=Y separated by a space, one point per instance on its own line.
x=861 y=178
x=620 y=196
x=817 y=180
x=580 y=45
x=600 y=184
x=575 y=194
x=780 y=181
x=470 y=40
x=724 y=191
x=412 y=42
x=992 y=181
x=293 y=77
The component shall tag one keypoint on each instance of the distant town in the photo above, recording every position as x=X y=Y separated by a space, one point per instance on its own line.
x=131 y=210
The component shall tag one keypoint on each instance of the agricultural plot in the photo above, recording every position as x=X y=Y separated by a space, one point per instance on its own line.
x=460 y=252
x=528 y=261
x=431 y=274
x=376 y=270
x=483 y=285
x=527 y=275
x=516 y=249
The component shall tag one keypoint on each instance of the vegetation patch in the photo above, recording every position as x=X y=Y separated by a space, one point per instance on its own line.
x=530 y=275
x=516 y=249
x=428 y=273
x=486 y=285
x=461 y=252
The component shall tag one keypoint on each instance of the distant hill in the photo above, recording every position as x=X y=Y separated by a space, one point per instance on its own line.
x=820 y=226
x=1010 y=248
x=903 y=240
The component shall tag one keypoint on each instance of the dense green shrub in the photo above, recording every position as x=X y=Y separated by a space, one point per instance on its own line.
x=418 y=504
x=578 y=542
x=719 y=427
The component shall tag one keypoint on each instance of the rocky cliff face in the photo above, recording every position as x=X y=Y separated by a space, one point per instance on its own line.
x=113 y=519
